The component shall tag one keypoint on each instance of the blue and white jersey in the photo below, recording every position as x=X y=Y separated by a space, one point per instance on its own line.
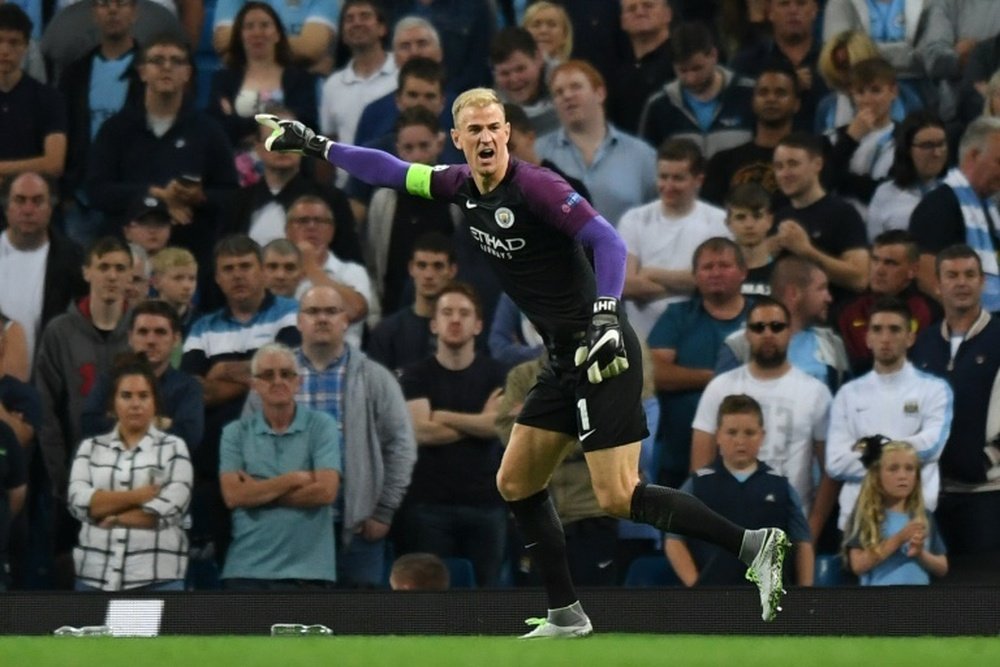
x=293 y=13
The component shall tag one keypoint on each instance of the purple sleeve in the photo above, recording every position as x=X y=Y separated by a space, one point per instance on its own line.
x=372 y=166
x=609 y=255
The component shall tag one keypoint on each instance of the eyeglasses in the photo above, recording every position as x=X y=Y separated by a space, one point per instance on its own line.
x=759 y=327
x=163 y=61
x=316 y=311
x=311 y=220
x=930 y=145
x=270 y=375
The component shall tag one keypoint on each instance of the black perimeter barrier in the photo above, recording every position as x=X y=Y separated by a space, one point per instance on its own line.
x=901 y=611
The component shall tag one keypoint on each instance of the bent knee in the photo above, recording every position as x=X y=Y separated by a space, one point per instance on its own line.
x=615 y=501
x=515 y=487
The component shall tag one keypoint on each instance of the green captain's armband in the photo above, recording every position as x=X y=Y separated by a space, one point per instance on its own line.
x=418 y=180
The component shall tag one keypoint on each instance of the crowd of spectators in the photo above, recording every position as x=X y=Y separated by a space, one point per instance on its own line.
x=200 y=339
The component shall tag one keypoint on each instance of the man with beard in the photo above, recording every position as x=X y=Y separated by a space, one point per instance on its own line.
x=796 y=409
x=894 y=400
x=775 y=102
x=803 y=288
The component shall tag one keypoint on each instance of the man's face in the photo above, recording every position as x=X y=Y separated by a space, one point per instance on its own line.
x=239 y=277
x=322 y=319
x=114 y=18
x=150 y=236
x=792 y=17
x=29 y=208
x=137 y=287
x=768 y=348
x=677 y=186
x=282 y=273
x=481 y=133
x=774 y=99
x=644 y=17
x=876 y=96
x=152 y=336
x=455 y=321
x=814 y=301
x=414 y=42
x=108 y=276
x=430 y=272
x=166 y=69
x=420 y=92
x=889 y=336
x=982 y=167
x=717 y=274
x=521 y=144
x=310 y=223
x=891 y=269
x=697 y=73
x=520 y=76
x=13 y=47
x=749 y=227
x=796 y=170
x=417 y=143
x=740 y=437
x=362 y=27
x=276 y=379
x=576 y=100
x=960 y=282
x=176 y=285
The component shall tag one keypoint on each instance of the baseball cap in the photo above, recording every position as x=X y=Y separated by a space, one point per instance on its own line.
x=149 y=210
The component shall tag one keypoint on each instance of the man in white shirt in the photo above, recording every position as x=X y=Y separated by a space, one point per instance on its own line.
x=39 y=267
x=661 y=236
x=311 y=226
x=796 y=410
x=368 y=75
x=895 y=400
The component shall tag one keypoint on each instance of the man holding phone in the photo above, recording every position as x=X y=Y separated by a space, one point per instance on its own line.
x=166 y=149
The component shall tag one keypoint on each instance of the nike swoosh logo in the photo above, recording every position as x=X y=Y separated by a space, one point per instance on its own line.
x=469 y=204
x=584 y=436
x=604 y=564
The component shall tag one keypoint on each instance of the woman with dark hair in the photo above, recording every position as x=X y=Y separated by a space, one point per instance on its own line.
x=921 y=155
x=259 y=71
x=130 y=488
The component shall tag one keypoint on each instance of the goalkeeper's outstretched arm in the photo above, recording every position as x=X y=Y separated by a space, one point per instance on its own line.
x=370 y=165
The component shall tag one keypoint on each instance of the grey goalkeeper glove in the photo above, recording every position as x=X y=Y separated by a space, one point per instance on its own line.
x=291 y=136
x=602 y=351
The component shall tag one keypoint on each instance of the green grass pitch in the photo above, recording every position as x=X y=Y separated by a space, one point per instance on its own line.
x=601 y=650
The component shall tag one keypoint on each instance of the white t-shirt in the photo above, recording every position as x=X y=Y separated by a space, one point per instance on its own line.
x=267 y=223
x=667 y=243
x=345 y=96
x=796 y=410
x=22 y=286
x=351 y=274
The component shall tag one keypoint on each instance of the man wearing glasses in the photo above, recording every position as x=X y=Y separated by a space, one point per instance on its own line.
x=310 y=225
x=796 y=409
x=279 y=470
x=165 y=148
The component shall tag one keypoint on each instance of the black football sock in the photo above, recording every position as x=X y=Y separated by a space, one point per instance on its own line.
x=674 y=511
x=546 y=544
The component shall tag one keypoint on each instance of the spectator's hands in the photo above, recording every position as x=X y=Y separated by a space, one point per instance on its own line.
x=147 y=493
x=916 y=544
x=492 y=404
x=189 y=194
x=963 y=48
x=792 y=237
x=863 y=123
x=291 y=136
x=230 y=371
x=372 y=530
x=602 y=351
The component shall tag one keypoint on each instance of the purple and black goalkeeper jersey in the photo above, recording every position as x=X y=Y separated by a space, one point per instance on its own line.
x=526 y=227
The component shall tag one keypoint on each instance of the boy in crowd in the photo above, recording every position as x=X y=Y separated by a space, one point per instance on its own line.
x=174 y=277
x=749 y=219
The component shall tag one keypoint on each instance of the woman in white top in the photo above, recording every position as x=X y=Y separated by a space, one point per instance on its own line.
x=921 y=155
x=130 y=489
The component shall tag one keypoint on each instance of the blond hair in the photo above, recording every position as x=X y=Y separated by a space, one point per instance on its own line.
x=869 y=512
x=172 y=257
x=475 y=97
x=858 y=45
x=535 y=9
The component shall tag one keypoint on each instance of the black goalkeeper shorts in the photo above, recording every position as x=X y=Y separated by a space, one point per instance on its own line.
x=603 y=415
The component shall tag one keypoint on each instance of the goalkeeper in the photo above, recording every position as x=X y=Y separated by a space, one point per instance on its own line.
x=534 y=229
